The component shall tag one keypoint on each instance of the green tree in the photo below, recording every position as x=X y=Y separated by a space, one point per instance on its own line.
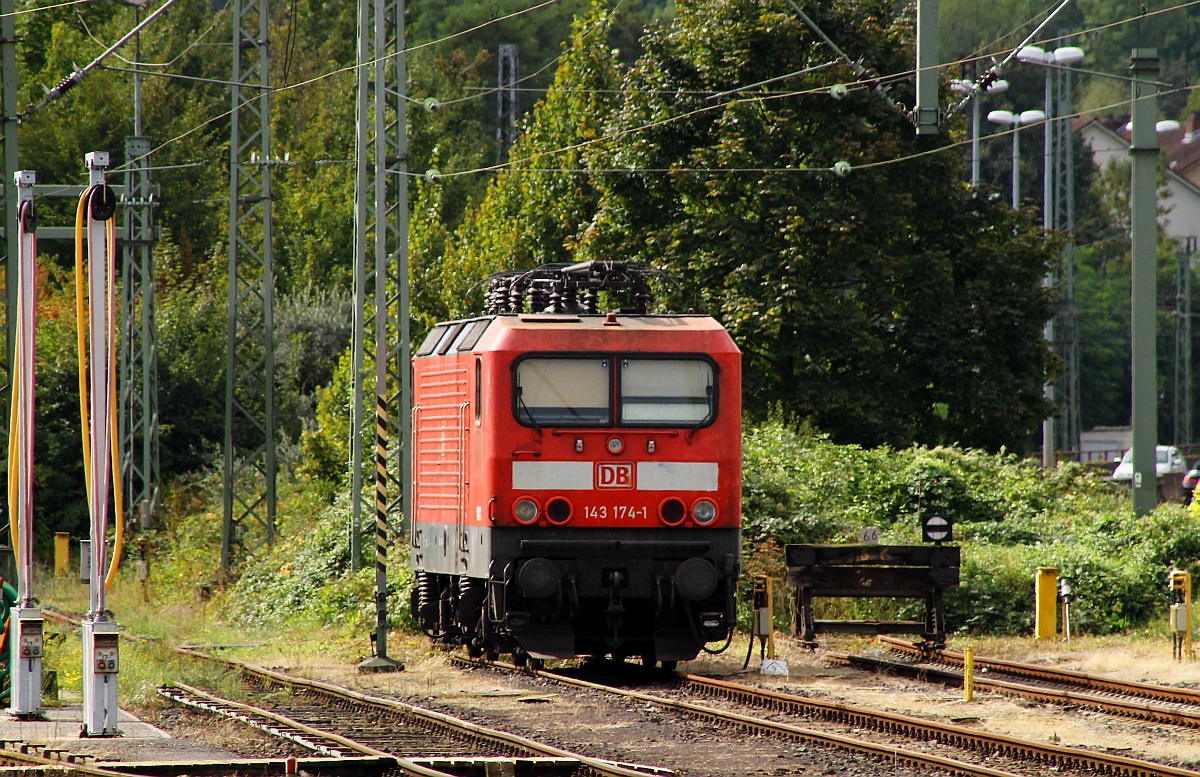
x=535 y=208
x=891 y=305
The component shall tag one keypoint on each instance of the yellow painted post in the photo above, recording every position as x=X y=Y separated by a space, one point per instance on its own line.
x=1181 y=627
x=968 y=673
x=1046 y=604
x=62 y=553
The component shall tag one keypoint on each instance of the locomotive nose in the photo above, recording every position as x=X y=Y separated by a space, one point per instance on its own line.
x=696 y=579
x=539 y=578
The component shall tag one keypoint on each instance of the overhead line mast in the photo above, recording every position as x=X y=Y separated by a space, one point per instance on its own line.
x=140 y=470
x=381 y=292
x=250 y=465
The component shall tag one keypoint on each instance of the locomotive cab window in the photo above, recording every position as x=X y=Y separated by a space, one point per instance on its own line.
x=667 y=392
x=563 y=391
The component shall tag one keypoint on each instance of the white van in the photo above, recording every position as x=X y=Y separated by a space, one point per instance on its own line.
x=1167 y=461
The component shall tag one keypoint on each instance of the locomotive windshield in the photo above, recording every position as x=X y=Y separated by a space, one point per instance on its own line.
x=646 y=391
x=558 y=392
x=665 y=392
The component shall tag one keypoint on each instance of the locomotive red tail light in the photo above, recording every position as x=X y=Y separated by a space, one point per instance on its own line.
x=704 y=512
x=671 y=512
x=558 y=510
x=525 y=511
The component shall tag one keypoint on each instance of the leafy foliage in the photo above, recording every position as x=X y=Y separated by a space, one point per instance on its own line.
x=308 y=576
x=534 y=209
x=888 y=306
x=1010 y=517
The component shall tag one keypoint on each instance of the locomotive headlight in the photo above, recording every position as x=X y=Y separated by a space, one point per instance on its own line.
x=615 y=445
x=525 y=510
x=704 y=512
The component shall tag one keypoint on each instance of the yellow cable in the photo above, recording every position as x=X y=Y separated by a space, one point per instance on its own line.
x=118 y=492
x=14 y=449
x=81 y=338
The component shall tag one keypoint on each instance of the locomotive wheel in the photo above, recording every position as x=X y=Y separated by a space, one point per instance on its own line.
x=520 y=658
x=474 y=649
x=537 y=664
x=492 y=653
x=670 y=665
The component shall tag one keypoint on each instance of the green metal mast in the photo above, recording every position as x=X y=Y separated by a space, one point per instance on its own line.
x=381 y=287
x=8 y=72
x=250 y=465
x=1066 y=326
x=140 y=469
x=1143 y=153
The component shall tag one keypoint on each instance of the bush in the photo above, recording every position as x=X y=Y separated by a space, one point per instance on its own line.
x=308 y=575
x=1010 y=515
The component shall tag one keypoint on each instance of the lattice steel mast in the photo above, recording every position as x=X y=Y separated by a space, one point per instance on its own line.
x=381 y=257
x=250 y=465
x=506 y=100
x=381 y=286
x=140 y=469
x=8 y=71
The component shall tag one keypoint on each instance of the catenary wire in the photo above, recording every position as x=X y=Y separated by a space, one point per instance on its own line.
x=45 y=8
x=788 y=169
x=493 y=168
x=330 y=74
x=198 y=41
x=975 y=57
x=494 y=89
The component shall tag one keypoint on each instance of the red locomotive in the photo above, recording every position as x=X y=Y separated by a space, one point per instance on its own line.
x=577 y=475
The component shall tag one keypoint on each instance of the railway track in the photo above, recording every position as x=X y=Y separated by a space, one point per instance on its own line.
x=350 y=721
x=1143 y=701
x=974 y=752
x=354 y=734
x=972 y=746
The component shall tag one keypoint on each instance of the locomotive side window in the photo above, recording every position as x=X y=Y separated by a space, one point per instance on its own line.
x=470 y=335
x=432 y=339
x=478 y=390
x=448 y=337
x=667 y=391
x=558 y=392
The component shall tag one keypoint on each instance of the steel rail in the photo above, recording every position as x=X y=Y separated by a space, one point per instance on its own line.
x=66 y=767
x=1141 y=710
x=1064 y=676
x=430 y=717
x=248 y=713
x=763 y=726
x=1105 y=763
x=958 y=736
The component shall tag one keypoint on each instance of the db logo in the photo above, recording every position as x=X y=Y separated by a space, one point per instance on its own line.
x=614 y=475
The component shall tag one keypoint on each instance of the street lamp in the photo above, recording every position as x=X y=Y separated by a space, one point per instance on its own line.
x=966 y=86
x=1052 y=61
x=1016 y=121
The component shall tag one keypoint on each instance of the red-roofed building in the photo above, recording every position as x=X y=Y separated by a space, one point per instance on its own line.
x=1109 y=141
